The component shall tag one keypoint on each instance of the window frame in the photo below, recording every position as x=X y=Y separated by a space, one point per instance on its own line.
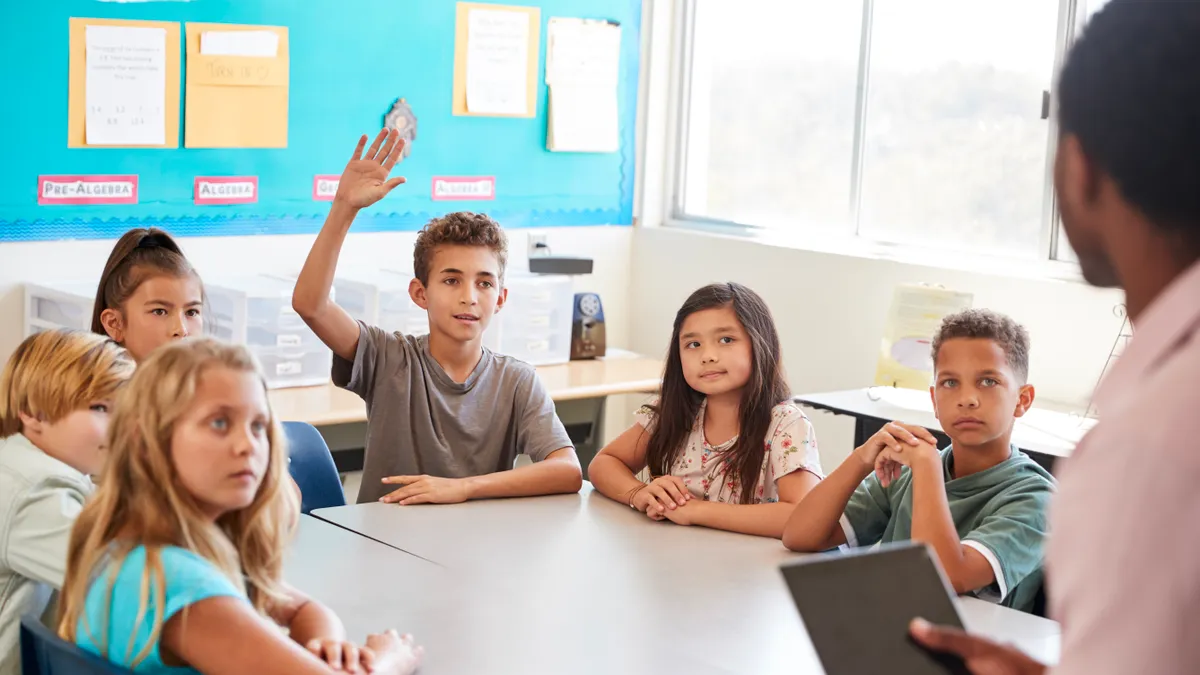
x=1053 y=255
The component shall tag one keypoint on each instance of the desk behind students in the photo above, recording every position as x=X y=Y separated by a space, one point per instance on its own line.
x=1044 y=435
x=620 y=373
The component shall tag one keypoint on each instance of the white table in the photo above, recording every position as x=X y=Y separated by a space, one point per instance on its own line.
x=575 y=584
x=1043 y=434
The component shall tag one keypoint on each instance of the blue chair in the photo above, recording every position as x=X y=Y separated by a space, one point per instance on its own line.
x=44 y=653
x=312 y=468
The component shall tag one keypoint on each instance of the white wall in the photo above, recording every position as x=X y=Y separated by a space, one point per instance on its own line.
x=830 y=311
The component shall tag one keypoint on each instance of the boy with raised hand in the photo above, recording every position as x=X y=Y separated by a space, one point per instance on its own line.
x=980 y=503
x=446 y=417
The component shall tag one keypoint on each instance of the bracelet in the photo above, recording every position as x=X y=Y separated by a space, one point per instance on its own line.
x=633 y=493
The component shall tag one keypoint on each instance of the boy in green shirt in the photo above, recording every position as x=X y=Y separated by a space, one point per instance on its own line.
x=980 y=503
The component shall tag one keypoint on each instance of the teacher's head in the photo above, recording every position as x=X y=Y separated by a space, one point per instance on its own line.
x=1127 y=173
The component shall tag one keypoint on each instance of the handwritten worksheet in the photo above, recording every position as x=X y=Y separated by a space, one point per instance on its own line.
x=125 y=86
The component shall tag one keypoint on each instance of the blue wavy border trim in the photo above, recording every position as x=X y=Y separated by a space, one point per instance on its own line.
x=227 y=226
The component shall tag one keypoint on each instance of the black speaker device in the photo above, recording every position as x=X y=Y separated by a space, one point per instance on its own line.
x=587 y=327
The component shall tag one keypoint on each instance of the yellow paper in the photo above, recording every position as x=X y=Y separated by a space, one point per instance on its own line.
x=235 y=101
x=77 y=82
x=459 y=101
x=237 y=71
x=905 y=359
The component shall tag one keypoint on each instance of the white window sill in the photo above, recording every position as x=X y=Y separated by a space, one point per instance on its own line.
x=861 y=247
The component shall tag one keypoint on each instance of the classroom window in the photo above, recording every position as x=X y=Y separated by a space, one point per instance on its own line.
x=910 y=122
x=770 y=109
x=955 y=144
x=1083 y=11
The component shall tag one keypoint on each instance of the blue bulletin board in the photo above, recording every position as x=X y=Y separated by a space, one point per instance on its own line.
x=349 y=61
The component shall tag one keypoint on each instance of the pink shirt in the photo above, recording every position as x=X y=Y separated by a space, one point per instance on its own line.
x=1123 y=559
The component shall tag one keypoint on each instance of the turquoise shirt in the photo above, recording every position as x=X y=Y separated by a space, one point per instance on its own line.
x=1000 y=512
x=189 y=579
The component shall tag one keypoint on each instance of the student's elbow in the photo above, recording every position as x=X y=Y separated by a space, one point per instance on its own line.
x=306 y=304
x=570 y=474
x=799 y=542
x=792 y=540
x=798 y=538
x=960 y=583
x=596 y=466
x=963 y=579
x=575 y=482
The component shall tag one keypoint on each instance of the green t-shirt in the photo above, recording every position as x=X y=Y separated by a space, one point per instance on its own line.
x=1001 y=512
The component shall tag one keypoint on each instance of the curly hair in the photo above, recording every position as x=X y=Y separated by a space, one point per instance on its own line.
x=988 y=325
x=461 y=228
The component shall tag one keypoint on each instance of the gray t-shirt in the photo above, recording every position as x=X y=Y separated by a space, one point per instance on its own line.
x=420 y=421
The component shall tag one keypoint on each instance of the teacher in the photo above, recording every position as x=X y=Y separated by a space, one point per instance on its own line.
x=1123 y=559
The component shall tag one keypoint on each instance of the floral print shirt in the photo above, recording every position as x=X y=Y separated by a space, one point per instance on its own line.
x=791 y=445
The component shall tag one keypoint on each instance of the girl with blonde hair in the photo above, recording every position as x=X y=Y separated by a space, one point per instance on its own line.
x=178 y=556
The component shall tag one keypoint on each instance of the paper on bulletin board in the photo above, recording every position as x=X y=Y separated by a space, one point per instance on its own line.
x=582 y=52
x=583 y=119
x=583 y=59
x=237 y=93
x=916 y=314
x=496 y=60
x=77 y=97
x=125 y=85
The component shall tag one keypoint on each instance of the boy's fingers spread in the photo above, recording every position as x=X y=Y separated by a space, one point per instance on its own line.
x=395 y=155
x=388 y=144
x=374 y=149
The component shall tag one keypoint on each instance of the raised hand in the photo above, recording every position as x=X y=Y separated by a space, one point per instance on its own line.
x=365 y=179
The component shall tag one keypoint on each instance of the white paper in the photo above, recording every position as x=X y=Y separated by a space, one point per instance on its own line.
x=260 y=43
x=497 y=62
x=126 y=82
x=583 y=69
x=583 y=119
x=580 y=51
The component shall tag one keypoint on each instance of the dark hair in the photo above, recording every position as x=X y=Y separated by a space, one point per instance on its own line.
x=988 y=325
x=1129 y=95
x=461 y=228
x=139 y=254
x=677 y=407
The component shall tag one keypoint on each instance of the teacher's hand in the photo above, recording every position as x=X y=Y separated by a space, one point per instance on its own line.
x=983 y=657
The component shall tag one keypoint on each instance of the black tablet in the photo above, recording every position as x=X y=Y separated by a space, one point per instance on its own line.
x=857 y=607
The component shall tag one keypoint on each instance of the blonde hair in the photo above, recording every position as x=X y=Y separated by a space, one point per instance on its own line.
x=56 y=372
x=140 y=500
